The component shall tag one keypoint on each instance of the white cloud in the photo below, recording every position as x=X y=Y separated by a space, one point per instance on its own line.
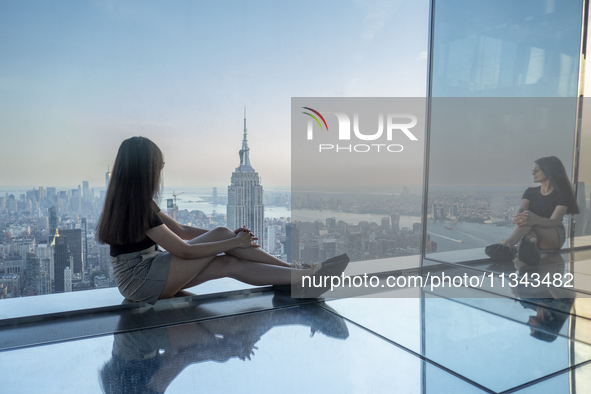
x=378 y=12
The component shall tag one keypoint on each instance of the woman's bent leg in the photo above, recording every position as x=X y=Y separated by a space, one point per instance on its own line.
x=547 y=238
x=517 y=233
x=256 y=267
x=181 y=272
x=251 y=254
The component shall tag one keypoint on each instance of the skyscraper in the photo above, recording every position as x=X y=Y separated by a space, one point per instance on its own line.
x=245 y=195
x=270 y=244
x=76 y=200
x=292 y=242
x=86 y=191
x=61 y=261
x=53 y=218
x=395 y=222
x=329 y=247
x=386 y=223
x=32 y=270
x=73 y=239
x=170 y=207
x=67 y=280
x=107 y=178
x=311 y=253
x=84 y=230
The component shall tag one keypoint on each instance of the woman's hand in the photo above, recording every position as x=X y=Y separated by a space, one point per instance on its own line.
x=247 y=239
x=525 y=218
x=239 y=230
x=520 y=219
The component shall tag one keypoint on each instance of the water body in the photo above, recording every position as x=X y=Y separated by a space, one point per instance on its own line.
x=471 y=235
x=200 y=201
x=465 y=235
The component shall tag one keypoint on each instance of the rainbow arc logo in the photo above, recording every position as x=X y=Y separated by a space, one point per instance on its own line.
x=315 y=118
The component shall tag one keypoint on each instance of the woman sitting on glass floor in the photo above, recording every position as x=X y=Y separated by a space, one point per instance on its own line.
x=134 y=226
x=539 y=220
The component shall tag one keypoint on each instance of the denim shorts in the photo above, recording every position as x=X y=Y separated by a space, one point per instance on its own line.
x=141 y=276
x=561 y=235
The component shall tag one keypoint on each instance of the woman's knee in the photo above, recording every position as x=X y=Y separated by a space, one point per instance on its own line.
x=223 y=232
x=531 y=234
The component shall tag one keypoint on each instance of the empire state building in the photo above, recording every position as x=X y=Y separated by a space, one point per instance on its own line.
x=245 y=195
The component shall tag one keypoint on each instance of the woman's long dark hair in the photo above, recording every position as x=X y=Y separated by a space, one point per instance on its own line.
x=552 y=167
x=135 y=182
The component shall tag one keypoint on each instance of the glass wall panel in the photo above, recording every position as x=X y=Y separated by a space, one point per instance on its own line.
x=506 y=48
x=582 y=221
x=582 y=231
x=504 y=86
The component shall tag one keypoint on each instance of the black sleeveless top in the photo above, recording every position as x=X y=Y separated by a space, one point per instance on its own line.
x=147 y=242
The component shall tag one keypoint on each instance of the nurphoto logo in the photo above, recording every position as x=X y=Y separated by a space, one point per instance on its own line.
x=396 y=126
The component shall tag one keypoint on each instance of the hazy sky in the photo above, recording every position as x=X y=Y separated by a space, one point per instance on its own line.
x=78 y=77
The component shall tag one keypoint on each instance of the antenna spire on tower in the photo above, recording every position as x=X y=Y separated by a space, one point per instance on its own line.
x=244 y=152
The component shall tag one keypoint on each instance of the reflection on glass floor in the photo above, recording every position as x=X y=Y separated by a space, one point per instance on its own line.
x=480 y=341
x=295 y=349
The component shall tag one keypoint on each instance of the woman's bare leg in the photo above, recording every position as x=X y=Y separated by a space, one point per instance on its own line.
x=250 y=272
x=545 y=237
x=265 y=270
x=251 y=254
x=517 y=233
x=181 y=272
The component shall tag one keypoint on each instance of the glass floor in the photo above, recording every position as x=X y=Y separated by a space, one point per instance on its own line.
x=470 y=341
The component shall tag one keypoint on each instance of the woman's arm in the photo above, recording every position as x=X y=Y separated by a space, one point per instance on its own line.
x=519 y=219
x=528 y=218
x=555 y=219
x=524 y=206
x=170 y=241
x=184 y=232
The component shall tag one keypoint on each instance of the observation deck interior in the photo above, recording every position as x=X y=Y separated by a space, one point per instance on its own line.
x=490 y=339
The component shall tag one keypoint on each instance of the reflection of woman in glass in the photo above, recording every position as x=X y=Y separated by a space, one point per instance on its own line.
x=148 y=361
x=551 y=313
x=552 y=304
x=539 y=221
x=134 y=226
